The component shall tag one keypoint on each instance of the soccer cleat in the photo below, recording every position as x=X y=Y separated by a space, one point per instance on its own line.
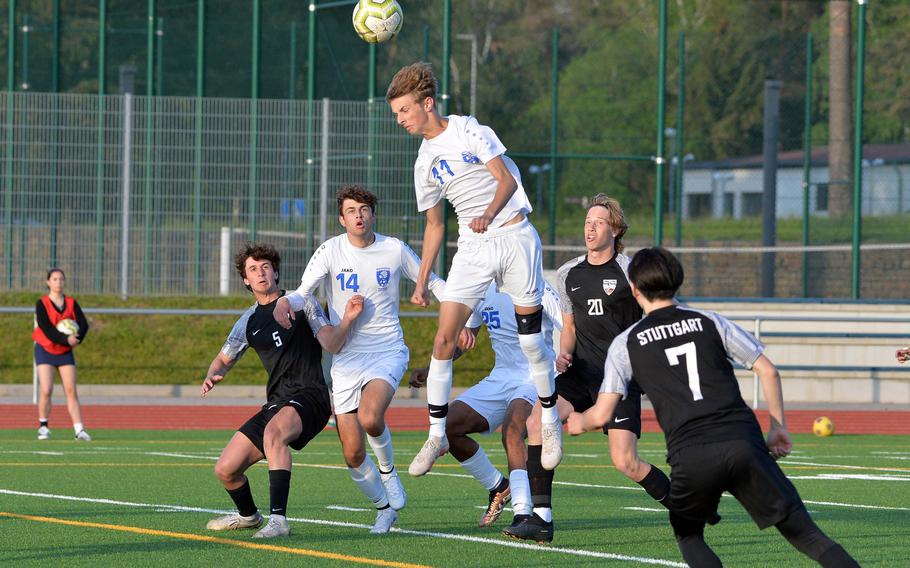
x=274 y=528
x=551 y=452
x=432 y=449
x=44 y=433
x=498 y=500
x=394 y=490
x=530 y=528
x=385 y=518
x=516 y=520
x=83 y=436
x=234 y=521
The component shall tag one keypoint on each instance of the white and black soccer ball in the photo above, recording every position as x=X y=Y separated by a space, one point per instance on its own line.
x=376 y=21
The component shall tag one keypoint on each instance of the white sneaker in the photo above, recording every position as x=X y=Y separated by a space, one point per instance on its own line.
x=432 y=449
x=385 y=518
x=234 y=521
x=83 y=436
x=277 y=526
x=551 y=452
x=394 y=490
x=44 y=433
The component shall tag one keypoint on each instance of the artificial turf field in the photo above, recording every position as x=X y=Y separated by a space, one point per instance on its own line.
x=142 y=498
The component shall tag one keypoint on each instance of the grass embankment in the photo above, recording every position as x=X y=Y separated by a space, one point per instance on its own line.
x=165 y=349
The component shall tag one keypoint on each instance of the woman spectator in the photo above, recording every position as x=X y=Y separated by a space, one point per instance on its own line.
x=55 y=337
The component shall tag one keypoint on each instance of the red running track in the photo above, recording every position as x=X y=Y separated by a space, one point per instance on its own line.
x=169 y=417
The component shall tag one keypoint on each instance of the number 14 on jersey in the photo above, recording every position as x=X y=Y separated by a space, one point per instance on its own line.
x=349 y=282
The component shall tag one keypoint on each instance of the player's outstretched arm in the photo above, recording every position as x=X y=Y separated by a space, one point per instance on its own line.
x=596 y=416
x=505 y=188
x=220 y=366
x=333 y=337
x=778 y=438
x=433 y=239
x=566 y=343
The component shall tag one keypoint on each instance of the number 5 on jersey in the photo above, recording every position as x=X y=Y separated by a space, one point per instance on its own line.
x=688 y=351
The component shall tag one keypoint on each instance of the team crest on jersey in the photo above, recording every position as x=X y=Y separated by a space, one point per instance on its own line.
x=609 y=285
x=469 y=158
x=382 y=277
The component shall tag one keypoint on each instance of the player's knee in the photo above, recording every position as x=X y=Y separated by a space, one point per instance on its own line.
x=443 y=346
x=627 y=465
x=533 y=347
x=532 y=424
x=224 y=472
x=684 y=528
x=456 y=429
x=371 y=421
x=353 y=457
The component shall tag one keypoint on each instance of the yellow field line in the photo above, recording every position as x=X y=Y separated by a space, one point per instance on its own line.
x=229 y=542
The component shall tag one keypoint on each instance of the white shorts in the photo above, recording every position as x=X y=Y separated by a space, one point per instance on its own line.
x=492 y=396
x=352 y=371
x=510 y=255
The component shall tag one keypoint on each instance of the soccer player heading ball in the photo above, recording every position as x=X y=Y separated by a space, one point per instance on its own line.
x=464 y=162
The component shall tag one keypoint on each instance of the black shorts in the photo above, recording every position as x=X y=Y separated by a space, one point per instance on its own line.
x=582 y=395
x=313 y=416
x=42 y=357
x=701 y=473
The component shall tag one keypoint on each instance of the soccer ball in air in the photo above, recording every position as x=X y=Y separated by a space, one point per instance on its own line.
x=68 y=327
x=376 y=21
x=823 y=426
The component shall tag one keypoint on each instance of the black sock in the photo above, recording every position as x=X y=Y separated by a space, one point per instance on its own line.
x=540 y=479
x=279 y=487
x=42 y=423
x=501 y=487
x=657 y=484
x=243 y=499
x=837 y=557
x=548 y=401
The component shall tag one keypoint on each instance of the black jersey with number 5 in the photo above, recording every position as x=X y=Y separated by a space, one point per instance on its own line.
x=600 y=300
x=680 y=357
x=292 y=357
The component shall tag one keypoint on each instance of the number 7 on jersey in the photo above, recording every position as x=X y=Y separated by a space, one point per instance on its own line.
x=688 y=351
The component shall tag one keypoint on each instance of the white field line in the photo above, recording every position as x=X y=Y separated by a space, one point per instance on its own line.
x=648 y=509
x=343 y=508
x=448 y=536
x=851 y=476
x=836 y=466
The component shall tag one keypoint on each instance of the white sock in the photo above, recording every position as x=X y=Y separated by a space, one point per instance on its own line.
x=439 y=385
x=544 y=513
x=482 y=469
x=540 y=358
x=382 y=448
x=521 y=492
x=77 y=427
x=366 y=476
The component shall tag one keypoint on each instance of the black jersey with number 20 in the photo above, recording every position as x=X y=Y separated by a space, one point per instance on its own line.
x=600 y=300
x=680 y=357
x=292 y=357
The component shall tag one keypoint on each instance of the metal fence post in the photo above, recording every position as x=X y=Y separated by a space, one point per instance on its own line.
x=807 y=162
x=858 y=148
x=125 y=214
x=99 y=166
x=661 y=107
x=324 y=175
x=10 y=100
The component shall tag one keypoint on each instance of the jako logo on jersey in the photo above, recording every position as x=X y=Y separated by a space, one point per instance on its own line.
x=382 y=277
x=609 y=286
x=469 y=158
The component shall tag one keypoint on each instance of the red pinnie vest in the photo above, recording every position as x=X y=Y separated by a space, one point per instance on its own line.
x=69 y=312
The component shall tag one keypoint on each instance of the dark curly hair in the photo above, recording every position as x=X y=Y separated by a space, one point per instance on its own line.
x=256 y=251
x=359 y=194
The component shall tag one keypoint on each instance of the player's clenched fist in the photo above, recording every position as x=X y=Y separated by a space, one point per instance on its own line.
x=563 y=362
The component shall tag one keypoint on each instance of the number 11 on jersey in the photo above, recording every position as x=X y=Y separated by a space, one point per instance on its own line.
x=687 y=350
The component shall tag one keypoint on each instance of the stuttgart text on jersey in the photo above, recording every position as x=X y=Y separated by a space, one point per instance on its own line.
x=675 y=329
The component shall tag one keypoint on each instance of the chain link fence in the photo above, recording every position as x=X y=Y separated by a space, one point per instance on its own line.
x=138 y=195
